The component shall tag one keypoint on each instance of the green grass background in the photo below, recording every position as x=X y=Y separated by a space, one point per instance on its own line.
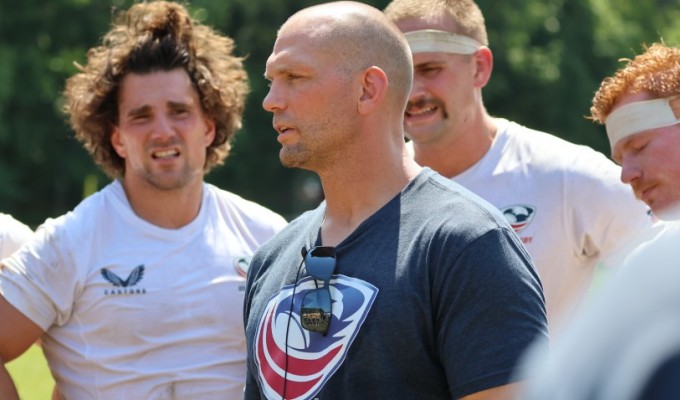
x=31 y=375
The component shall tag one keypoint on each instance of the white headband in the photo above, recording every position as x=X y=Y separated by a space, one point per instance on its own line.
x=642 y=116
x=430 y=40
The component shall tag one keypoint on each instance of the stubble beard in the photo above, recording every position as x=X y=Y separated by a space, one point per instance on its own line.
x=293 y=156
x=170 y=181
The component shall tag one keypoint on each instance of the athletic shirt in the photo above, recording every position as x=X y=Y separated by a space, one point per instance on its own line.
x=12 y=234
x=135 y=311
x=625 y=344
x=567 y=204
x=433 y=297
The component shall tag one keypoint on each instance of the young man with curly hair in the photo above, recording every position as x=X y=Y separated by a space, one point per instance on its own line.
x=138 y=292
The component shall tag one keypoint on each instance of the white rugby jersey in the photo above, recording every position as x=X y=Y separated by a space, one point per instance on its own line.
x=565 y=201
x=620 y=343
x=135 y=311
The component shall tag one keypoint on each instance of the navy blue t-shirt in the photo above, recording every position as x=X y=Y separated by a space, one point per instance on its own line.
x=434 y=297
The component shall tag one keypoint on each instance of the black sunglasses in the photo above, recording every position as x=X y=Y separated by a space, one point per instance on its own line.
x=316 y=304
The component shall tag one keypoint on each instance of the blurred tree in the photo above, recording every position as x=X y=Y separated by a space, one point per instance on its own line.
x=41 y=166
x=550 y=56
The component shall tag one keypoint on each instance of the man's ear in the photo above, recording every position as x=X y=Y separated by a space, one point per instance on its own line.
x=117 y=142
x=374 y=90
x=484 y=66
x=210 y=131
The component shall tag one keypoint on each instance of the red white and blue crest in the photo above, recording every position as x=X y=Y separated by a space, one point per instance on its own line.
x=519 y=215
x=311 y=358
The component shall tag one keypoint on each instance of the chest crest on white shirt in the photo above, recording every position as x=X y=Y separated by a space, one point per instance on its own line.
x=127 y=285
x=519 y=216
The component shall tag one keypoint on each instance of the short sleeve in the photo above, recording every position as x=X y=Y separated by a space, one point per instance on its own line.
x=490 y=309
x=39 y=279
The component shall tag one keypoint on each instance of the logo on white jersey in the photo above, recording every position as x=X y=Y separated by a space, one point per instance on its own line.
x=519 y=216
x=124 y=285
x=287 y=353
x=135 y=276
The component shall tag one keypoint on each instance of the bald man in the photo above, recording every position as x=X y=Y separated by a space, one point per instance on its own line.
x=401 y=284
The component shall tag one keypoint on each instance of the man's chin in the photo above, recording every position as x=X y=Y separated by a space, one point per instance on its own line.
x=292 y=157
x=290 y=161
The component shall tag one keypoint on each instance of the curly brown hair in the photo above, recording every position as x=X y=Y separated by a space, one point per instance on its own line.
x=656 y=71
x=149 y=37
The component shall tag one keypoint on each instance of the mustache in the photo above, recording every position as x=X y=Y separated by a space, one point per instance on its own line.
x=279 y=120
x=164 y=142
x=425 y=103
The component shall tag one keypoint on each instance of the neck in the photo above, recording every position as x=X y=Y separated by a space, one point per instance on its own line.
x=170 y=209
x=458 y=151
x=359 y=189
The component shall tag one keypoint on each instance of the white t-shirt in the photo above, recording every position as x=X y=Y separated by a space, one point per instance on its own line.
x=12 y=235
x=134 y=311
x=565 y=201
x=619 y=341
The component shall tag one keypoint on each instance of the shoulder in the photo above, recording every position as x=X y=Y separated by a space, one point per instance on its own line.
x=10 y=226
x=545 y=155
x=554 y=150
x=294 y=234
x=285 y=247
x=435 y=195
x=87 y=217
x=449 y=217
x=253 y=214
x=12 y=234
x=657 y=251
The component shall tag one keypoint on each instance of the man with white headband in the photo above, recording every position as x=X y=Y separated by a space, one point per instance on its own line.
x=642 y=117
x=625 y=344
x=564 y=201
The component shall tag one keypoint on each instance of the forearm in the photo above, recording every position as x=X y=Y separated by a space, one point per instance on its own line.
x=7 y=389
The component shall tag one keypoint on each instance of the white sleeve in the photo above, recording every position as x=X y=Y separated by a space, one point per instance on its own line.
x=40 y=279
x=12 y=235
x=253 y=221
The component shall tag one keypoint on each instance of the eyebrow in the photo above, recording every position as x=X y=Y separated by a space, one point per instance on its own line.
x=269 y=72
x=287 y=67
x=180 y=104
x=429 y=63
x=147 y=108
x=138 y=111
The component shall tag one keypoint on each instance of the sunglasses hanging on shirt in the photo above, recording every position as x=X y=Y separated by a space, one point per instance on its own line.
x=316 y=304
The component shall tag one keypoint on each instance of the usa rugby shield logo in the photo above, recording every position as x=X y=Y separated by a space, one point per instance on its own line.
x=519 y=216
x=311 y=357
